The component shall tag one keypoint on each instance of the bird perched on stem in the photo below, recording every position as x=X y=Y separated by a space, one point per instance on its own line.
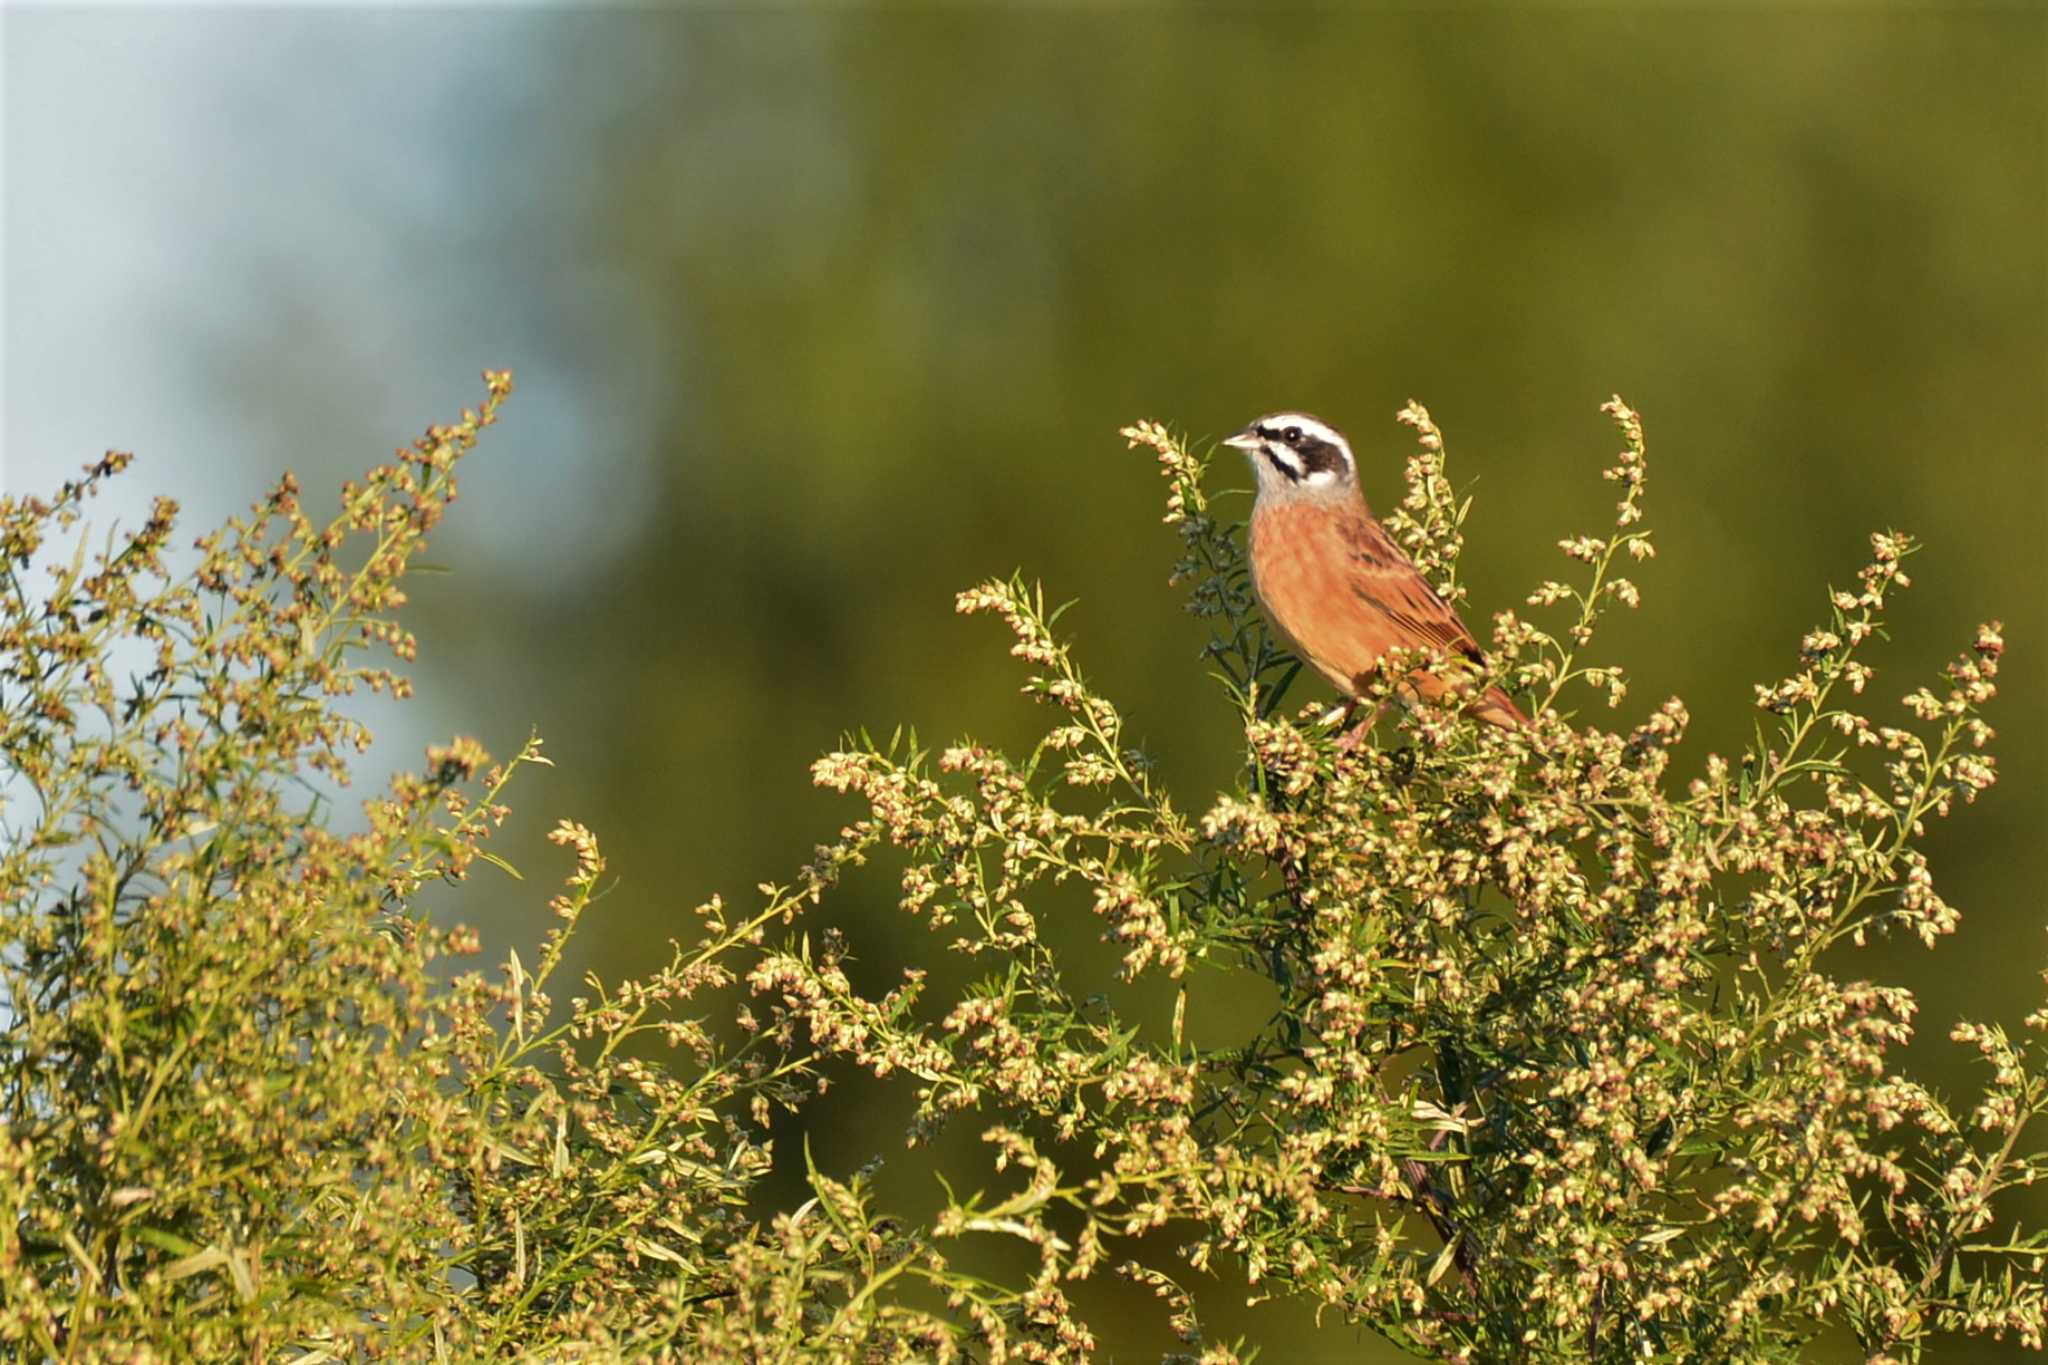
x=1333 y=582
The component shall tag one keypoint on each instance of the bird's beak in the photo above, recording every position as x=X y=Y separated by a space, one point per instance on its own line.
x=1247 y=440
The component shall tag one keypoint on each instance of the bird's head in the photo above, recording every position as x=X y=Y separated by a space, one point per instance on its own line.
x=1294 y=452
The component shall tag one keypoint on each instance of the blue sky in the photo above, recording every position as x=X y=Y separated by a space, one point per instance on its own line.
x=239 y=240
x=243 y=240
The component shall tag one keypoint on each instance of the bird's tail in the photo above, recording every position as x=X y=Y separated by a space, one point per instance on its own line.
x=1495 y=709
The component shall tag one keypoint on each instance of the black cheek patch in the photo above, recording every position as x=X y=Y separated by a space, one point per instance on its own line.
x=1320 y=457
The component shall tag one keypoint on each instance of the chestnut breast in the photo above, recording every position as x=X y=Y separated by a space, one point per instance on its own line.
x=1335 y=584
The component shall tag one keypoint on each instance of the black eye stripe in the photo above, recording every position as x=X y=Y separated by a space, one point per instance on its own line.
x=1302 y=452
x=1291 y=434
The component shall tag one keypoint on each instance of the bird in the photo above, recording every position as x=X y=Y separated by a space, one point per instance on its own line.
x=1335 y=585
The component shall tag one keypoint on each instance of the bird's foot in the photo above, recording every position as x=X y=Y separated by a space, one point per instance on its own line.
x=1349 y=741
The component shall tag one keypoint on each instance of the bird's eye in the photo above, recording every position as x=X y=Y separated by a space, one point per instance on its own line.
x=1292 y=436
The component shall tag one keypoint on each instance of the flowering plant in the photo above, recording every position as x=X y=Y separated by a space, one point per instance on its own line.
x=1564 y=1053
x=1559 y=1063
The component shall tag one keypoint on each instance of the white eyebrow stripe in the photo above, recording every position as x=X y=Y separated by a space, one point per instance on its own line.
x=1310 y=426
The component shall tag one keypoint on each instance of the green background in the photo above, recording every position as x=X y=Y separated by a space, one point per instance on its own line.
x=895 y=279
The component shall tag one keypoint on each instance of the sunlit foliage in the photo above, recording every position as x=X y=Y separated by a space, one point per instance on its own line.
x=1567 y=1055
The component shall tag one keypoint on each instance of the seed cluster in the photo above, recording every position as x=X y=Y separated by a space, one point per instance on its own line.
x=1563 y=1052
x=1560 y=1062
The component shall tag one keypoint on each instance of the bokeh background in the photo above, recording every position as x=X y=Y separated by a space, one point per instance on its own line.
x=821 y=314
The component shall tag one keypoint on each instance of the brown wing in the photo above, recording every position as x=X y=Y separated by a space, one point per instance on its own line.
x=1385 y=579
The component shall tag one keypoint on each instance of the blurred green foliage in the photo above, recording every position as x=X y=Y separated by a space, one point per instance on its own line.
x=917 y=267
